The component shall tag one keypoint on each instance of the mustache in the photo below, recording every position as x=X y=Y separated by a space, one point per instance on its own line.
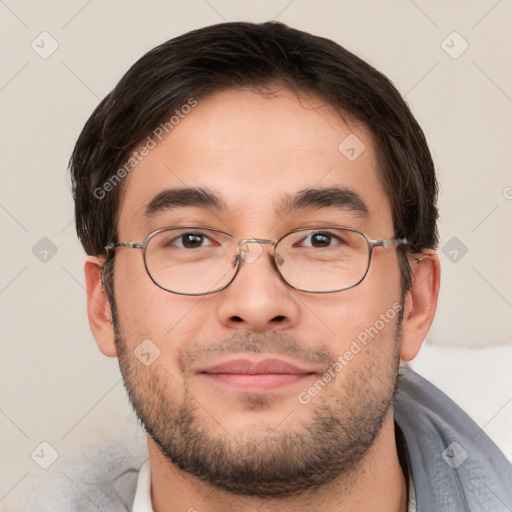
x=269 y=342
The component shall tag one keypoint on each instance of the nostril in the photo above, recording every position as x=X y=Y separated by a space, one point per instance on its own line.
x=278 y=318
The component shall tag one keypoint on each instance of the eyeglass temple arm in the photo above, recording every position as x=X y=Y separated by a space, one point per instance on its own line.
x=128 y=245
x=390 y=242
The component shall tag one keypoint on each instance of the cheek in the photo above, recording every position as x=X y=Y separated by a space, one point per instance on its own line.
x=362 y=319
x=147 y=311
x=382 y=283
x=343 y=315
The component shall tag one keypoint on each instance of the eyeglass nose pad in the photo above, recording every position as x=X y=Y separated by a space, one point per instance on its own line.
x=250 y=252
x=279 y=259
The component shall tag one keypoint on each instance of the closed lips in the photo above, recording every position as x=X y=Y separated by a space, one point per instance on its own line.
x=245 y=366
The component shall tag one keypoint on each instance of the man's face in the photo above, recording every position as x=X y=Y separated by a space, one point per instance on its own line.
x=268 y=434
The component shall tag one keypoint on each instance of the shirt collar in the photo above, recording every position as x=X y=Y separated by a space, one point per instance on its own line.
x=142 y=502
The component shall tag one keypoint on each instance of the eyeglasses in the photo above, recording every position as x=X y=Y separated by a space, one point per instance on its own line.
x=191 y=260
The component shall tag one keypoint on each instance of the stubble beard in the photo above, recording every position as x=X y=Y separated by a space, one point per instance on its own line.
x=342 y=428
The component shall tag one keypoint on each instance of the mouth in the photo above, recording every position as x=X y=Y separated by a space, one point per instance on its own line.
x=255 y=376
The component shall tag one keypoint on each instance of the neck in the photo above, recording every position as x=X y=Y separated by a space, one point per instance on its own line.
x=378 y=483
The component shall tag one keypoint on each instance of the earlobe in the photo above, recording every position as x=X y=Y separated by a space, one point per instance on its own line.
x=98 y=308
x=420 y=303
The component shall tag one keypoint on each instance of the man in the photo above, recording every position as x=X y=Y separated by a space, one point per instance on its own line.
x=259 y=210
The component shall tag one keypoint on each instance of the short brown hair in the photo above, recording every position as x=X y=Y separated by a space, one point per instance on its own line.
x=231 y=55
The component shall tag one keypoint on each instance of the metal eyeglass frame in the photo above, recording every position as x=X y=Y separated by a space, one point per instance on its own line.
x=384 y=243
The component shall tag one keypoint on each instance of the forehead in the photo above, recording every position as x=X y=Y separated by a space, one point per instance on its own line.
x=255 y=152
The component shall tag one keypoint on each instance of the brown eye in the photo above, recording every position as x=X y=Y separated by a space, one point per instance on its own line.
x=192 y=240
x=319 y=239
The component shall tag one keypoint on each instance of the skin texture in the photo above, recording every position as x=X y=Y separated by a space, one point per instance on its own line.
x=338 y=451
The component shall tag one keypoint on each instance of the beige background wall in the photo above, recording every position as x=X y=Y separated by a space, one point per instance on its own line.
x=55 y=385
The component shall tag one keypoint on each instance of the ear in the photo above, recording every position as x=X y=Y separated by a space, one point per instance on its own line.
x=420 y=303
x=98 y=308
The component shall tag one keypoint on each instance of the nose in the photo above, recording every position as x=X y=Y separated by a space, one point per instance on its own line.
x=258 y=299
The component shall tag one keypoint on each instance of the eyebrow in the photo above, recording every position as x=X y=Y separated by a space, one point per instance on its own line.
x=313 y=198
x=173 y=198
x=343 y=198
